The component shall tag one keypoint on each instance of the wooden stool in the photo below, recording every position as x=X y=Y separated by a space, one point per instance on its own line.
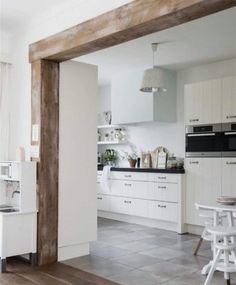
x=225 y=247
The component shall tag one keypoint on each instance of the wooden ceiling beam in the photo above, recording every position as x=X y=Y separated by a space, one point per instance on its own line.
x=136 y=19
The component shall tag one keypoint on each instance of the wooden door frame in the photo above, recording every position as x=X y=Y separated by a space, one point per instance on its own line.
x=128 y=22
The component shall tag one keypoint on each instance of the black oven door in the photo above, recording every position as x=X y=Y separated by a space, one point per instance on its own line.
x=204 y=144
x=229 y=144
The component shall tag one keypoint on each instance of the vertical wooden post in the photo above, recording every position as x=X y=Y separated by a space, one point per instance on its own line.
x=45 y=113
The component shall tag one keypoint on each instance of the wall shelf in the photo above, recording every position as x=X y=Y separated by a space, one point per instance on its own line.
x=108 y=127
x=110 y=142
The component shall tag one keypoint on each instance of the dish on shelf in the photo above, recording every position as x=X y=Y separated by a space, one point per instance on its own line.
x=226 y=200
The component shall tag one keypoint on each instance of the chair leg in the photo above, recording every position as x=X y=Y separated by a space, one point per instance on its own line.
x=198 y=246
x=213 y=267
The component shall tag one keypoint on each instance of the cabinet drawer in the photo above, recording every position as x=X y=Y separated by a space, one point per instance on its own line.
x=102 y=189
x=164 y=191
x=163 y=211
x=135 y=189
x=121 y=205
x=103 y=202
x=128 y=206
x=163 y=177
x=135 y=176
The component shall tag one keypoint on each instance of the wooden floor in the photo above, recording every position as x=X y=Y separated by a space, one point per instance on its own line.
x=20 y=273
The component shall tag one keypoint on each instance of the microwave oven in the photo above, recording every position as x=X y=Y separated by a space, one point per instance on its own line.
x=204 y=141
x=218 y=140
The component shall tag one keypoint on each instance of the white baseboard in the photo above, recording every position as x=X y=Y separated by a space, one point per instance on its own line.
x=68 y=252
x=139 y=221
x=197 y=230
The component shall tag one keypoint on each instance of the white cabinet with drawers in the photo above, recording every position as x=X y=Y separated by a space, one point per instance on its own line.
x=163 y=211
x=154 y=196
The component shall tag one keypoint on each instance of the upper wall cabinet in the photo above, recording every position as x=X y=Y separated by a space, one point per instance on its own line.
x=203 y=102
x=229 y=99
x=210 y=102
x=129 y=105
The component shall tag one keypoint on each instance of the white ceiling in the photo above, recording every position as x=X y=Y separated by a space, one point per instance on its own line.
x=18 y=12
x=201 y=41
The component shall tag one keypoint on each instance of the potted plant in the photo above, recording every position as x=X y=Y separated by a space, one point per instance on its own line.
x=110 y=157
x=132 y=158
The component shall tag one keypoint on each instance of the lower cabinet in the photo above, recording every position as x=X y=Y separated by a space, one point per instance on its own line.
x=128 y=206
x=160 y=197
x=163 y=211
x=103 y=202
x=228 y=176
x=203 y=185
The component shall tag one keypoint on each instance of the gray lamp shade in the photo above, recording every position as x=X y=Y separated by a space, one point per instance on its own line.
x=153 y=80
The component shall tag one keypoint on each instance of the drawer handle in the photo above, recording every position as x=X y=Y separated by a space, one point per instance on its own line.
x=162 y=177
x=128 y=176
x=127 y=202
x=161 y=206
x=230 y=162
x=128 y=184
x=231 y=117
x=193 y=120
x=161 y=187
x=99 y=198
x=194 y=162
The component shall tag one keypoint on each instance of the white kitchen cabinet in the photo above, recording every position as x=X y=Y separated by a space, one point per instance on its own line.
x=18 y=210
x=229 y=176
x=163 y=211
x=103 y=202
x=229 y=99
x=156 y=196
x=130 y=105
x=203 y=102
x=131 y=176
x=164 y=191
x=203 y=185
x=135 y=189
x=129 y=206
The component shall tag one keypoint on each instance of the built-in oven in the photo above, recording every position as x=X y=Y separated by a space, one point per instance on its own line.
x=204 y=141
x=229 y=140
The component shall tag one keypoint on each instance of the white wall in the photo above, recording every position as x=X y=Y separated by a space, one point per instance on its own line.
x=51 y=21
x=5 y=46
x=171 y=135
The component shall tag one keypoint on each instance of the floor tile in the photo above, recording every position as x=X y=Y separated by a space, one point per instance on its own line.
x=163 y=253
x=110 y=252
x=137 y=277
x=136 y=246
x=106 y=268
x=137 y=260
x=167 y=269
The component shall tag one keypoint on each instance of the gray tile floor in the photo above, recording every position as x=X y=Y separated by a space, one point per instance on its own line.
x=137 y=255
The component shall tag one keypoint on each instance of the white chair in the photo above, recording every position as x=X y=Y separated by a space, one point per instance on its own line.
x=208 y=216
x=225 y=246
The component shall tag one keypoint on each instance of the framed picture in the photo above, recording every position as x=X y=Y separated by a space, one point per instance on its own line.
x=146 y=160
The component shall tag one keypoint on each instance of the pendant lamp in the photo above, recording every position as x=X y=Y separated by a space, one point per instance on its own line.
x=153 y=78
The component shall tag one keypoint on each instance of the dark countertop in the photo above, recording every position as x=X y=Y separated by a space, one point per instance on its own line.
x=149 y=170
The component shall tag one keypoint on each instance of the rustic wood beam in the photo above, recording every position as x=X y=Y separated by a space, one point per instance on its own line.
x=136 y=19
x=45 y=113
